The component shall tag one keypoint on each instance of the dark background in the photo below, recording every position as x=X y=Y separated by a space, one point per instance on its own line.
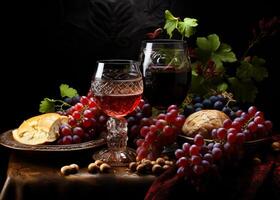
x=51 y=42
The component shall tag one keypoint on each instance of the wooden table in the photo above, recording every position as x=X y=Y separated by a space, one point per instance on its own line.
x=37 y=176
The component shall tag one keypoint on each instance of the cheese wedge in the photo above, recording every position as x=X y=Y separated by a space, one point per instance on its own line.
x=40 y=129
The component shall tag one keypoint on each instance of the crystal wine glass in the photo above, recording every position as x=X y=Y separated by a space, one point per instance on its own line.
x=117 y=89
x=166 y=69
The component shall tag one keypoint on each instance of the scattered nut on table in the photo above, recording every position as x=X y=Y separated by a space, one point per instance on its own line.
x=93 y=168
x=146 y=166
x=105 y=168
x=69 y=169
x=99 y=167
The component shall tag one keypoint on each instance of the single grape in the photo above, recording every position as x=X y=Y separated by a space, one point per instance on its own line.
x=168 y=131
x=217 y=153
x=227 y=123
x=147 y=110
x=218 y=105
x=76 y=139
x=144 y=130
x=194 y=150
x=76 y=115
x=186 y=148
x=179 y=153
x=84 y=100
x=182 y=162
x=221 y=133
x=231 y=138
x=171 y=107
x=226 y=110
x=86 y=122
x=181 y=171
x=208 y=157
x=205 y=164
x=207 y=103
x=198 y=109
x=88 y=113
x=252 y=111
x=78 y=131
x=66 y=130
x=252 y=126
x=67 y=140
x=189 y=109
x=213 y=99
x=199 y=140
x=240 y=138
x=161 y=116
x=258 y=120
x=179 y=121
x=196 y=160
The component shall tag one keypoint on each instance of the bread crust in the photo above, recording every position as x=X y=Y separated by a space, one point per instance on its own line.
x=202 y=122
x=39 y=129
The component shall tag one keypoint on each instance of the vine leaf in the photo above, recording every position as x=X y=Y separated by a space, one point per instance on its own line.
x=253 y=70
x=186 y=28
x=244 y=91
x=171 y=22
x=66 y=91
x=47 y=105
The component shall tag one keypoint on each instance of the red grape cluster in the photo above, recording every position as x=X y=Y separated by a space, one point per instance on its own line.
x=158 y=133
x=197 y=158
x=140 y=117
x=84 y=123
x=245 y=127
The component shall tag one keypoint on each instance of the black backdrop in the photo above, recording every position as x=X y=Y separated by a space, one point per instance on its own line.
x=50 y=42
x=58 y=41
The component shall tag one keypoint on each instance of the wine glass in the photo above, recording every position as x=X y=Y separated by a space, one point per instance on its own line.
x=117 y=88
x=166 y=70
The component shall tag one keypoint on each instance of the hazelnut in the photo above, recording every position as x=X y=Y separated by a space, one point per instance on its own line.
x=165 y=157
x=153 y=162
x=141 y=169
x=257 y=160
x=165 y=167
x=75 y=166
x=160 y=161
x=98 y=162
x=167 y=162
x=66 y=170
x=105 y=168
x=157 y=169
x=93 y=168
x=133 y=166
x=276 y=146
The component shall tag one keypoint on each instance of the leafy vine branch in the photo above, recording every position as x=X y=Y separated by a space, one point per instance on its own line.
x=215 y=66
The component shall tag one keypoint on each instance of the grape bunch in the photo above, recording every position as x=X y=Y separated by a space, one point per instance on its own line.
x=217 y=102
x=198 y=158
x=158 y=133
x=246 y=126
x=140 y=117
x=85 y=121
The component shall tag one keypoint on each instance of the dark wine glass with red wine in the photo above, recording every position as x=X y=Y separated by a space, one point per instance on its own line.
x=117 y=88
x=166 y=70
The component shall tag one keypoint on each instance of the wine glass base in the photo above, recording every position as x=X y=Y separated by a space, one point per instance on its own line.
x=116 y=158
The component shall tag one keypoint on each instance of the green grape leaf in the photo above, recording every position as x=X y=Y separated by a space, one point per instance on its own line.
x=211 y=43
x=47 y=105
x=186 y=28
x=225 y=54
x=244 y=91
x=222 y=87
x=248 y=71
x=171 y=22
x=66 y=91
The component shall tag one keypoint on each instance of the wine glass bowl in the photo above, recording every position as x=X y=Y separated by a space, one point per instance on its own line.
x=166 y=70
x=117 y=88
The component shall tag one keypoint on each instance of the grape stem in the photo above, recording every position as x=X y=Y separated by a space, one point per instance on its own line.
x=61 y=103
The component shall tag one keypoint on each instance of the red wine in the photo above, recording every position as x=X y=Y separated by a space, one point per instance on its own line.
x=118 y=105
x=166 y=87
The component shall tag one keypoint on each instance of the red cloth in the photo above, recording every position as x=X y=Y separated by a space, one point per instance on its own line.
x=249 y=183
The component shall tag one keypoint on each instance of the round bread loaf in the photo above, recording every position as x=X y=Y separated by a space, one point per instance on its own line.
x=203 y=122
x=39 y=129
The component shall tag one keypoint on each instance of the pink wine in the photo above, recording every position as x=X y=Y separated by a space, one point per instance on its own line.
x=118 y=105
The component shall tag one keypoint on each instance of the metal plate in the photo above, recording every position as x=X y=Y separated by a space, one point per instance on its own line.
x=7 y=140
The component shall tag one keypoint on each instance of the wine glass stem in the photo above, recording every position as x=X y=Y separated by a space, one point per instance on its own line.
x=117 y=134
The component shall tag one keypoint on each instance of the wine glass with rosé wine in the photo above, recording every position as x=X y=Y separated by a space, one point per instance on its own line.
x=117 y=88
